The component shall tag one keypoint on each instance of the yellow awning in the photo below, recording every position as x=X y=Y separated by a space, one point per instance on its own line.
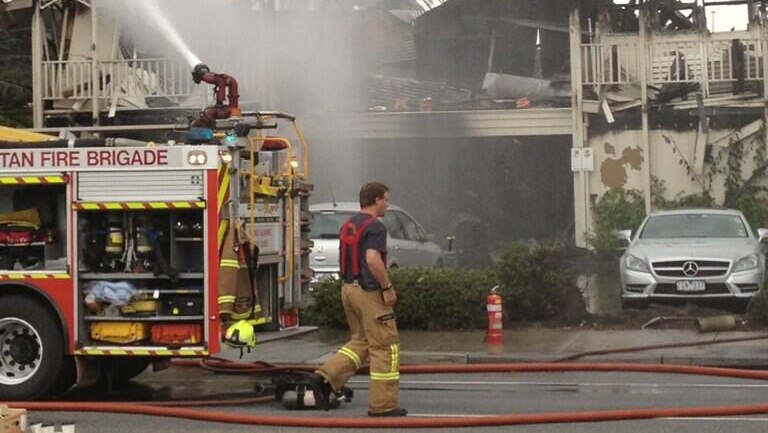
x=12 y=134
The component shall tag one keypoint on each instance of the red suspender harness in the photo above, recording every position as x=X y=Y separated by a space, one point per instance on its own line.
x=350 y=241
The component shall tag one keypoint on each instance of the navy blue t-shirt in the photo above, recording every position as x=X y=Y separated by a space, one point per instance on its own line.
x=374 y=237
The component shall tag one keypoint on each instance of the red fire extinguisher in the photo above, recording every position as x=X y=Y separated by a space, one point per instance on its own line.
x=495 y=326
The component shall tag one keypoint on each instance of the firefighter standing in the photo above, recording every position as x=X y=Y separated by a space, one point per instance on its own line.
x=368 y=298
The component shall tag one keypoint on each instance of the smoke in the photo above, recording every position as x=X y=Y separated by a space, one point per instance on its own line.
x=313 y=58
x=294 y=56
x=298 y=56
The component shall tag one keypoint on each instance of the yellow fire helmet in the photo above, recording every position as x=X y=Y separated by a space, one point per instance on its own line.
x=240 y=334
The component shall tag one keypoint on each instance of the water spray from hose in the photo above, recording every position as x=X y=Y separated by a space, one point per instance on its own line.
x=162 y=23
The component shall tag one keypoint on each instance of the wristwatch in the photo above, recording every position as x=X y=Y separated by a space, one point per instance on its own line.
x=389 y=287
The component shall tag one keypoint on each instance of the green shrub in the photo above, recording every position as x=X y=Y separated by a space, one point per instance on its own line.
x=433 y=299
x=616 y=210
x=442 y=298
x=703 y=200
x=755 y=209
x=535 y=284
x=15 y=75
x=325 y=310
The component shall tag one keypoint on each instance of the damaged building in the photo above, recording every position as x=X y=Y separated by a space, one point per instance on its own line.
x=664 y=105
x=469 y=107
x=98 y=62
x=488 y=54
x=462 y=107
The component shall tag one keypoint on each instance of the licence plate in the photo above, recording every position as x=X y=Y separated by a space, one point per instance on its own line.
x=691 y=286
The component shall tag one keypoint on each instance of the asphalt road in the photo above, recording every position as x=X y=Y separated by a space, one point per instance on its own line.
x=448 y=396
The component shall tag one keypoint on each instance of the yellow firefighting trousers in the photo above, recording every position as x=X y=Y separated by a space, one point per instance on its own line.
x=236 y=296
x=373 y=334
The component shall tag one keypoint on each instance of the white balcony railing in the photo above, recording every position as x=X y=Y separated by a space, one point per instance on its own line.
x=130 y=79
x=675 y=62
x=67 y=79
x=610 y=63
x=704 y=61
x=721 y=65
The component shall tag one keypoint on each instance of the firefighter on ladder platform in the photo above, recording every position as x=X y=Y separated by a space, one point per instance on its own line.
x=224 y=86
x=368 y=298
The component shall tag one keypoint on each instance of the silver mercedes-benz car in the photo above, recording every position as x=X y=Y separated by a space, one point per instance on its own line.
x=692 y=254
x=408 y=243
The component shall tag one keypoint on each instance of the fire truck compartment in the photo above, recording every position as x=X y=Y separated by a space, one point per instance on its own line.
x=33 y=222
x=139 y=269
x=179 y=185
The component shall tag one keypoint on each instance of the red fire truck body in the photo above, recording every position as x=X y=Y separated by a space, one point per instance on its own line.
x=110 y=255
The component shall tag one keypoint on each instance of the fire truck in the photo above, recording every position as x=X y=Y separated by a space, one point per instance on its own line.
x=112 y=250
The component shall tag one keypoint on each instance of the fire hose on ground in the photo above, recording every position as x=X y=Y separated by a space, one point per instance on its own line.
x=261 y=368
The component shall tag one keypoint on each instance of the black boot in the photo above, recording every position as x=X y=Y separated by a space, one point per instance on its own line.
x=322 y=391
x=400 y=411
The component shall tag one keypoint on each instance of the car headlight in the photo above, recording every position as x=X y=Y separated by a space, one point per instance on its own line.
x=746 y=263
x=635 y=263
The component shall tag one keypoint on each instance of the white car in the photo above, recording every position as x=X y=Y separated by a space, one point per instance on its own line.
x=407 y=242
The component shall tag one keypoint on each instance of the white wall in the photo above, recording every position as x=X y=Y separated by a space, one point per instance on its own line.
x=619 y=163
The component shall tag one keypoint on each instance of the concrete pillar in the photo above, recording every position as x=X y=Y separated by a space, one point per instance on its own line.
x=580 y=195
x=94 y=67
x=37 y=58
x=644 y=69
x=764 y=57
